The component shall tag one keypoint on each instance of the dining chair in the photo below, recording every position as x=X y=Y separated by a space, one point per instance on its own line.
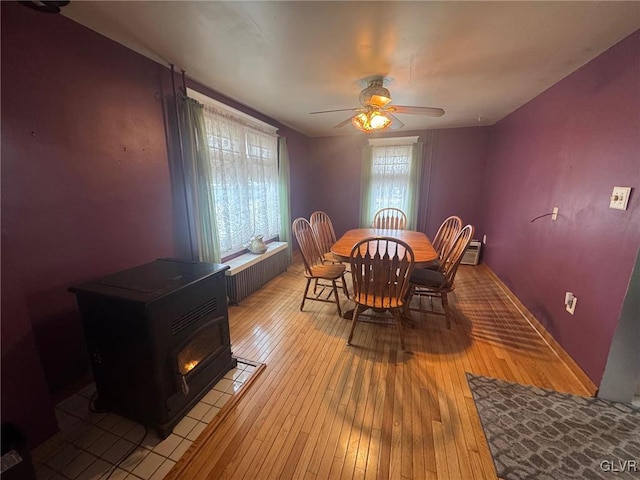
x=325 y=234
x=390 y=218
x=315 y=267
x=439 y=283
x=443 y=240
x=380 y=268
x=325 y=238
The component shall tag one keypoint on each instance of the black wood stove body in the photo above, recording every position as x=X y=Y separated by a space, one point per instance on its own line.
x=158 y=338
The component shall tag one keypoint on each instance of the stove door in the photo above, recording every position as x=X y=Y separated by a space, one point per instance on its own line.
x=202 y=347
x=201 y=361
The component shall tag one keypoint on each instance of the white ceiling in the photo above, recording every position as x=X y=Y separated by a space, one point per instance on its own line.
x=478 y=60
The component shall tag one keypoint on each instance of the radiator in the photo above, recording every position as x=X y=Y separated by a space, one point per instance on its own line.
x=250 y=272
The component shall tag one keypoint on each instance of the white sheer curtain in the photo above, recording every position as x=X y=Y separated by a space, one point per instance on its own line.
x=245 y=179
x=391 y=177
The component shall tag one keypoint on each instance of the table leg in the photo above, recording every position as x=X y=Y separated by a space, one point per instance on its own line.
x=348 y=315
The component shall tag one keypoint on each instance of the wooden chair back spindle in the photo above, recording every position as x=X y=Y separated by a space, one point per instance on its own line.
x=390 y=218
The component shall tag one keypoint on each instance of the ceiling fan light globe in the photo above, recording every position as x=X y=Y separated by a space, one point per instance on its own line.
x=379 y=121
x=359 y=121
x=371 y=121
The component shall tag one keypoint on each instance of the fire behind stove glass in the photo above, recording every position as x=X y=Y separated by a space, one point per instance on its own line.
x=202 y=346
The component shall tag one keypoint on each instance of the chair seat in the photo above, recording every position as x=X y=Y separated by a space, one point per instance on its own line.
x=330 y=257
x=432 y=265
x=424 y=277
x=327 y=271
x=378 y=302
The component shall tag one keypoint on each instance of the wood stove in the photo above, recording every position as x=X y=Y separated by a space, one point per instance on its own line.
x=158 y=338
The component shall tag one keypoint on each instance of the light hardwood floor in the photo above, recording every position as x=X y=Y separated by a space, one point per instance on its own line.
x=324 y=410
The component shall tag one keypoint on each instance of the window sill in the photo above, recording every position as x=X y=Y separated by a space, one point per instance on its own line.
x=238 y=264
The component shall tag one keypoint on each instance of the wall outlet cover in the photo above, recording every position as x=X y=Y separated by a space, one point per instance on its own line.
x=620 y=198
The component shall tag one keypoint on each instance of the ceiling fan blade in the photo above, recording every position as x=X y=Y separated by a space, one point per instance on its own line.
x=339 y=110
x=343 y=123
x=395 y=121
x=431 y=111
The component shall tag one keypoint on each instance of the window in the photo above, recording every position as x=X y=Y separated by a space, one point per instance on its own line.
x=391 y=177
x=244 y=159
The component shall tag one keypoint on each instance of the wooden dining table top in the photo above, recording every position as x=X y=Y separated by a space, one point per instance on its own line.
x=420 y=244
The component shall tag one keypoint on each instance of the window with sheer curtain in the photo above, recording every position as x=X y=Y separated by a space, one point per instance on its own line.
x=244 y=159
x=391 y=177
x=390 y=173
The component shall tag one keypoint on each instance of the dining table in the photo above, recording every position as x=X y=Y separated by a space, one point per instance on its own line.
x=423 y=251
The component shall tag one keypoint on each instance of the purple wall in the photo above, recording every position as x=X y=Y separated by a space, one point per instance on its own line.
x=85 y=192
x=458 y=168
x=568 y=148
x=335 y=164
x=455 y=164
x=23 y=380
x=85 y=181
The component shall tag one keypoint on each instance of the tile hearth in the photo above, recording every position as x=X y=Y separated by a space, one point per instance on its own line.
x=90 y=444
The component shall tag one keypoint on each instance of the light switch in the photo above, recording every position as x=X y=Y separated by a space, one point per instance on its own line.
x=620 y=198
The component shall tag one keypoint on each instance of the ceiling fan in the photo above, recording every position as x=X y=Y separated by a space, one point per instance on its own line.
x=376 y=114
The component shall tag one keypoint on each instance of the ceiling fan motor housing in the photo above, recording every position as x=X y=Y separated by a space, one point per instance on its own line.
x=375 y=94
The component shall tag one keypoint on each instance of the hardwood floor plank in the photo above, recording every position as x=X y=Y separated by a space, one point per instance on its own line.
x=283 y=405
x=354 y=434
x=375 y=423
x=333 y=452
x=294 y=455
x=314 y=421
x=484 y=454
x=442 y=465
x=384 y=462
x=416 y=461
x=429 y=451
x=300 y=397
x=364 y=452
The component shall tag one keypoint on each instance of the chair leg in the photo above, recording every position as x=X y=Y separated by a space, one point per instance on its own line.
x=315 y=286
x=445 y=306
x=356 y=312
x=335 y=294
x=306 y=290
x=344 y=286
x=396 y=314
x=408 y=301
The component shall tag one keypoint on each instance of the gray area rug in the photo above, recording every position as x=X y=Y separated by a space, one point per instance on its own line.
x=541 y=434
